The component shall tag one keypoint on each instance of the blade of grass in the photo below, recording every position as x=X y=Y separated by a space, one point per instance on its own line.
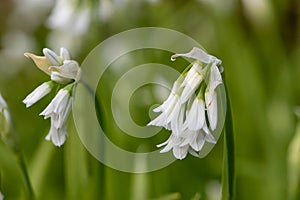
x=228 y=179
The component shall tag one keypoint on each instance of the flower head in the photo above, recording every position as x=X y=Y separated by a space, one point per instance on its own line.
x=58 y=110
x=66 y=73
x=190 y=111
x=60 y=68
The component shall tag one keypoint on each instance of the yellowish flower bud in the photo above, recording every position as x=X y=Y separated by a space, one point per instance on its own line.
x=41 y=62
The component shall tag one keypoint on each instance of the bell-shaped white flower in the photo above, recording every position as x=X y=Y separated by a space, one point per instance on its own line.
x=38 y=93
x=195 y=116
x=57 y=135
x=58 y=110
x=211 y=96
x=60 y=106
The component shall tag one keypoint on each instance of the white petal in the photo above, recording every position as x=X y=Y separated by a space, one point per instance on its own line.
x=178 y=119
x=212 y=110
x=57 y=136
x=52 y=57
x=47 y=111
x=58 y=104
x=189 y=137
x=180 y=152
x=65 y=54
x=215 y=77
x=199 y=142
x=193 y=152
x=195 y=116
x=56 y=76
x=69 y=69
x=170 y=143
x=65 y=114
x=210 y=138
x=171 y=98
x=165 y=143
x=191 y=73
x=37 y=94
x=195 y=53
x=190 y=87
x=166 y=104
x=2 y=103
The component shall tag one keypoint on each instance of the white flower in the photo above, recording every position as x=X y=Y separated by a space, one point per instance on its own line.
x=211 y=96
x=58 y=110
x=60 y=68
x=169 y=109
x=38 y=93
x=195 y=117
x=197 y=138
x=60 y=105
x=174 y=142
x=57 y=135
x=66 y=72
x=190 y=101
x=191 y=82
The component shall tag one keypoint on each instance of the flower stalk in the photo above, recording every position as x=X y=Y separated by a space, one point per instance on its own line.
x=228 y=178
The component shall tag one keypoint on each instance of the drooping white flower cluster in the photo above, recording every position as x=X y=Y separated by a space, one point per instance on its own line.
x=64 y=73
x=191 y=110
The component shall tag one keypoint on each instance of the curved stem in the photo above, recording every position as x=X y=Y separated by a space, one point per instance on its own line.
x=102 y=173
x=25 y=175
x=228 y=179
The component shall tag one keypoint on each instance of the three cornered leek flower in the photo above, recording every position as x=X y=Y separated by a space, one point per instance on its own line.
x=65 y=74
x=191 y=110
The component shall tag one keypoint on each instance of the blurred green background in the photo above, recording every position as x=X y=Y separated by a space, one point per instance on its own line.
x=259 y=44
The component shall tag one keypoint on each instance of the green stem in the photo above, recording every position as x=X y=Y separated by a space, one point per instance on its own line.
x=102 y=173
x=228 y=179
x=12 y=141
x=25 y=175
